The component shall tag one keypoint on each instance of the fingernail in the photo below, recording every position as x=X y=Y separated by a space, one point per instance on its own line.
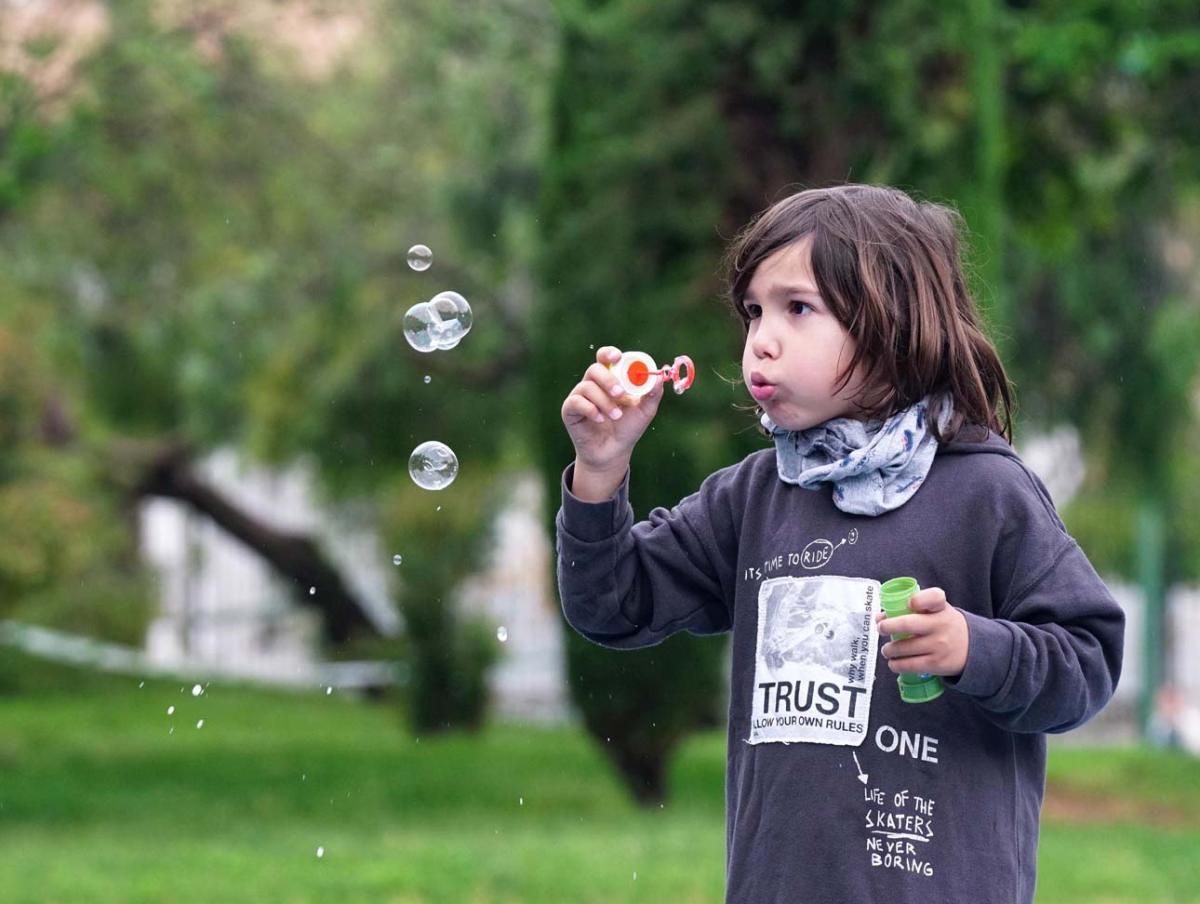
x=599 y=418
x=615 y=414
x=617 y=389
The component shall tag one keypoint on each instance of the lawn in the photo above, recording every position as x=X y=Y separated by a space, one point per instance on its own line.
x=104 y=796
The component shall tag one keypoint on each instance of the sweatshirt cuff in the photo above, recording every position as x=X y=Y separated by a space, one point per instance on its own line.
x=989 y=657
x=593 y=521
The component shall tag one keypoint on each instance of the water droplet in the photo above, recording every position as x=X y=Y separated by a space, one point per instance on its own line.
x=428 y=379
x=320 y=852
x=200 y=724
x=433 y=466
x=397 y=559
x=420 y=257
x=197 y=690
x=170 y=710
x=502 y=634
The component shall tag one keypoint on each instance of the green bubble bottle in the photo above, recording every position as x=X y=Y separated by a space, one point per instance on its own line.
x=914 y=688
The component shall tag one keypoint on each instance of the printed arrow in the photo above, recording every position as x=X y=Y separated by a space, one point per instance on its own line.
x=862 y=776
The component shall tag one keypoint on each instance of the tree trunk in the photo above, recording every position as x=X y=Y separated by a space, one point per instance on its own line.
x=165 y=470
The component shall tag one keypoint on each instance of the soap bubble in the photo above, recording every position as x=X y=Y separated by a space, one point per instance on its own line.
x=170 y=710
x=419 y=327
x=197 y=690
x=420 y=257
x=502 y=634
x=320 y=852
x=439 y=323
x=452 y=318
x=200 y=724
x=433 y=466
x=397 y=559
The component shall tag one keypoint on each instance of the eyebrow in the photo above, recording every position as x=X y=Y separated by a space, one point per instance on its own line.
x=788 y=290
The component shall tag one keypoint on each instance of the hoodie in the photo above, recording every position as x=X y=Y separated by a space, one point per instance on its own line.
x=836 y=790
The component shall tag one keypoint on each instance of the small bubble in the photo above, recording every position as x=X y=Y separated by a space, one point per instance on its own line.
x=635 y=875
x=172 y=731
x=170 y=710
x=502 y=634
x=397 y=559
x=439 y=508
x=520 y=801
x=428 y=378
x=141 y=684
x=312 y=591
x=200 y=724
x=328 y=691
x=320 y=852
x=197 y=690
x=433 y=465
x=420 y=257
x=303 y=776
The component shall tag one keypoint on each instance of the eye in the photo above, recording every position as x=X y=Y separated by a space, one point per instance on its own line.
x=796 y=306
x=753 y=311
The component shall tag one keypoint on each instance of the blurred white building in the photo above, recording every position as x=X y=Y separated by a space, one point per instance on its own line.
x=224 y=612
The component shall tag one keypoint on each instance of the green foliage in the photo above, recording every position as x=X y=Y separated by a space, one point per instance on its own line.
x=1060 y=131
x=633 y=193
x=217 y=246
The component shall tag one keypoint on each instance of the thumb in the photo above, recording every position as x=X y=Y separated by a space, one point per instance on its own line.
x=931 y=599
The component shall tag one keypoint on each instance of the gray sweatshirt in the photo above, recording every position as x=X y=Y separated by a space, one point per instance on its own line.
x=836 y=790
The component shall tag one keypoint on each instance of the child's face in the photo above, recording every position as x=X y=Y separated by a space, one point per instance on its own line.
x=796 y=348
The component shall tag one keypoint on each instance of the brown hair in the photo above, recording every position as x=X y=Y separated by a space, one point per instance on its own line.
x=890 y=269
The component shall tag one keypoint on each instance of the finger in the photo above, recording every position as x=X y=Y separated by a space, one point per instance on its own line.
x=605 y=379
x=931 y=599
x=910 y=664
x=908 y=624
x=578 y=408
x=608 y=354
x=907 y=648
x=604 y=402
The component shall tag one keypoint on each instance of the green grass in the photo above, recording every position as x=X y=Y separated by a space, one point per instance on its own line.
x=99 y=801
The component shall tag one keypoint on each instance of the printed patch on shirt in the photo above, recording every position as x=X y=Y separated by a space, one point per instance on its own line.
x=814 y=660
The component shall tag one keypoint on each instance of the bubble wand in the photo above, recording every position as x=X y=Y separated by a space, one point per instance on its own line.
x=638 y=374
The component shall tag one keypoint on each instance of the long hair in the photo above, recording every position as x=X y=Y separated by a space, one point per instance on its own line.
x=891 y=271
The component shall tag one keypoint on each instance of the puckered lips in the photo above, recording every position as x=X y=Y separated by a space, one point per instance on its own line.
x=760 y=387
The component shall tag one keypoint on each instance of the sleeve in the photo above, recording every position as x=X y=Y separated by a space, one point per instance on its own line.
x=1051 y=658
x=629 y=585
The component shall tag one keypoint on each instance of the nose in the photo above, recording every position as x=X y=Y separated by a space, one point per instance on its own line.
x=764 y=342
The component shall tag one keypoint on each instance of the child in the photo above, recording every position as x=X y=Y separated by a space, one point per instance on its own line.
x=889 y=414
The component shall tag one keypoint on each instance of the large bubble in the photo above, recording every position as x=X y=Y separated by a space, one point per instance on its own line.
x=439 y=323
x=420 y=257
x=433 y=465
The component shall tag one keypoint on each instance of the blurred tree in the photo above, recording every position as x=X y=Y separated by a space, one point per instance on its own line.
x=221 y=242
x=1063 y=131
